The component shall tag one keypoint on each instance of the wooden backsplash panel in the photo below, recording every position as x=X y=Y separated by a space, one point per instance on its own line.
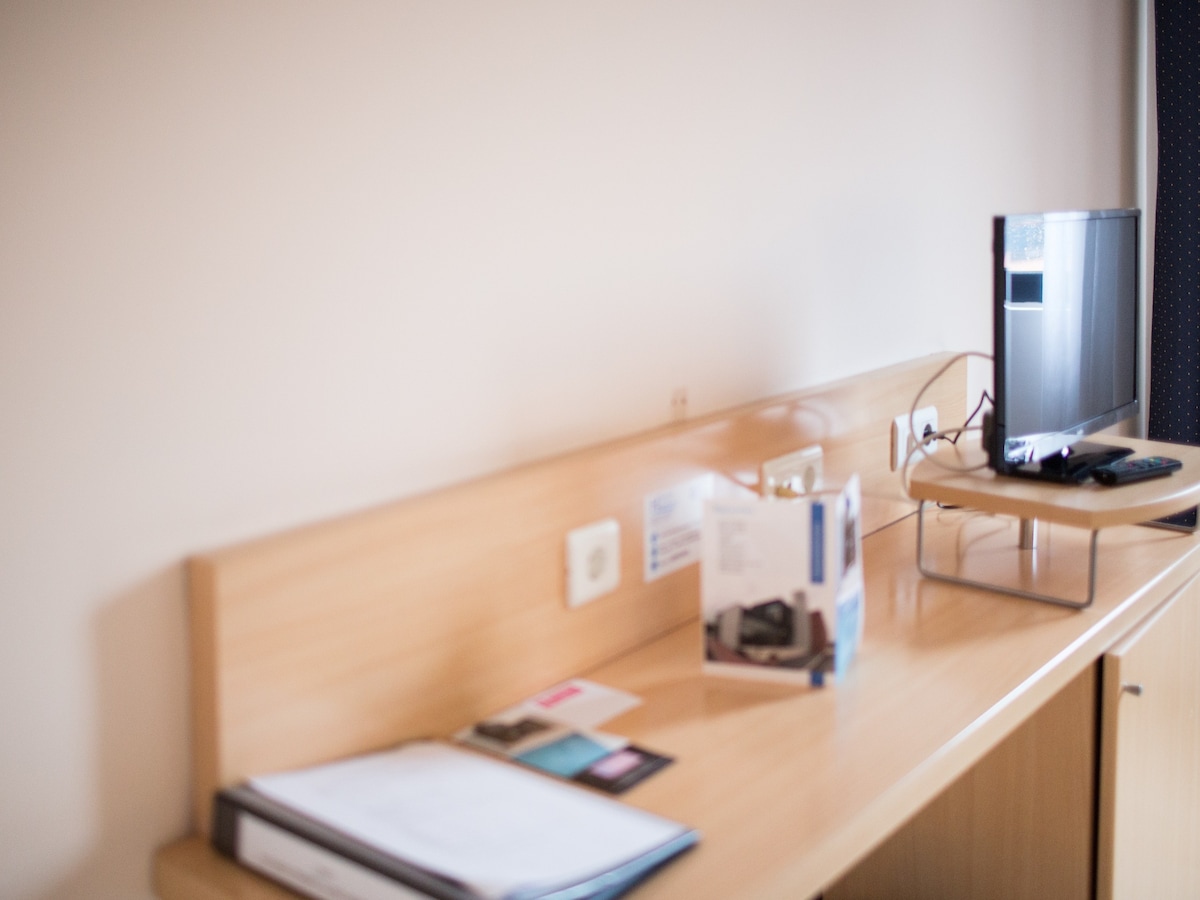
x=420 y=616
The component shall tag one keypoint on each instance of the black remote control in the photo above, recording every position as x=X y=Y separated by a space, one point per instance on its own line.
x=1123 y=471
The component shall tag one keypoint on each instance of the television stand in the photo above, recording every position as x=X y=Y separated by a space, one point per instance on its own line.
x=1074 y=465
x=961 y=479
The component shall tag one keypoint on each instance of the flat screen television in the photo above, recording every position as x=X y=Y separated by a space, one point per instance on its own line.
x=1065 y=340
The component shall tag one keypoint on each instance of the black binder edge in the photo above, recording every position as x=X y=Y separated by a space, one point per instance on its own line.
x=231 y=804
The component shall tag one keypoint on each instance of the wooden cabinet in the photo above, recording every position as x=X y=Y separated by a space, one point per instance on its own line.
x=1017 y=825
x=1149 y=823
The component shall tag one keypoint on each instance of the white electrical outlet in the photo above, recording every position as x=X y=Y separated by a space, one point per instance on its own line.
x=593 y=561
x=793 y=473
x=904 y=446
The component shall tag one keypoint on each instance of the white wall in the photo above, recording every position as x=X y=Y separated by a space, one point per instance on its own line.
x=264 y=262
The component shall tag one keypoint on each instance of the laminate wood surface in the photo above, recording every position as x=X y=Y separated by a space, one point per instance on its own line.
x=192 y=869
x=422 y=616
x=418 y=616
x=790 y=787
x=1150 y=753
x=1018 y=825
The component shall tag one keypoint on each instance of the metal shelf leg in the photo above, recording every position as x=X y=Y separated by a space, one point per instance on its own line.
x=1003 y=589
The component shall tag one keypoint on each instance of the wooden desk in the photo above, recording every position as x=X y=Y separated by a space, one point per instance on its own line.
x=791 y=788
x=319 y=642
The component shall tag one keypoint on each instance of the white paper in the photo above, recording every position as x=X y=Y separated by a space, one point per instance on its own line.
x=781 y=589
x=579 y=703
x=488 y=823
x=672 y=521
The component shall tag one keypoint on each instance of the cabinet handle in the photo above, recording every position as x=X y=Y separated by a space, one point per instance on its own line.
x=1135 y=689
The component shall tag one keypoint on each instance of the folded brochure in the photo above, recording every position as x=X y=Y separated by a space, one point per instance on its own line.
x=554 y=731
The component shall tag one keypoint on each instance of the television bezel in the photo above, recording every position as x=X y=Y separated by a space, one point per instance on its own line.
x=1057 y=443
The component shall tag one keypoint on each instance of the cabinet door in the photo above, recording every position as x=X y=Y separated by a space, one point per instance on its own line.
x=1149 y=823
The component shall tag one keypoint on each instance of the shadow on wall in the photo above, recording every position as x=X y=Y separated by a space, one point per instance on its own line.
x=142 y=748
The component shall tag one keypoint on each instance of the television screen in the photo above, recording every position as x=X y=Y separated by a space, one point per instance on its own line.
x=1065 y=338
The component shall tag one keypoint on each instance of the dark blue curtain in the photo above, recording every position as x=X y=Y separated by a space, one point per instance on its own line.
x=1175 y=316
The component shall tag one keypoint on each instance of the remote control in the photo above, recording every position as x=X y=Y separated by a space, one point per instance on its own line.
x=1123 y=471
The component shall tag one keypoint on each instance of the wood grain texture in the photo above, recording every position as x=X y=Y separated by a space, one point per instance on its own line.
x=192 y=869
x=416 y=617
x=1017 y=825
x=1150 y=757
x=420 y=616
x=791 y=788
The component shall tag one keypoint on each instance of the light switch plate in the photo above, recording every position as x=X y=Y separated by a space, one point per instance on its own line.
x=593 y=561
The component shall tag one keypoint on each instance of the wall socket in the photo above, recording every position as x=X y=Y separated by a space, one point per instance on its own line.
x=924 y=423
x=792 y=474
x=593 y=561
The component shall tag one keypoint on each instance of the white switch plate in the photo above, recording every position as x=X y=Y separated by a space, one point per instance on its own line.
x=593 y=561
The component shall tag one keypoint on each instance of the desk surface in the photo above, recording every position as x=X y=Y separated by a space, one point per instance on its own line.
x=790 y=787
